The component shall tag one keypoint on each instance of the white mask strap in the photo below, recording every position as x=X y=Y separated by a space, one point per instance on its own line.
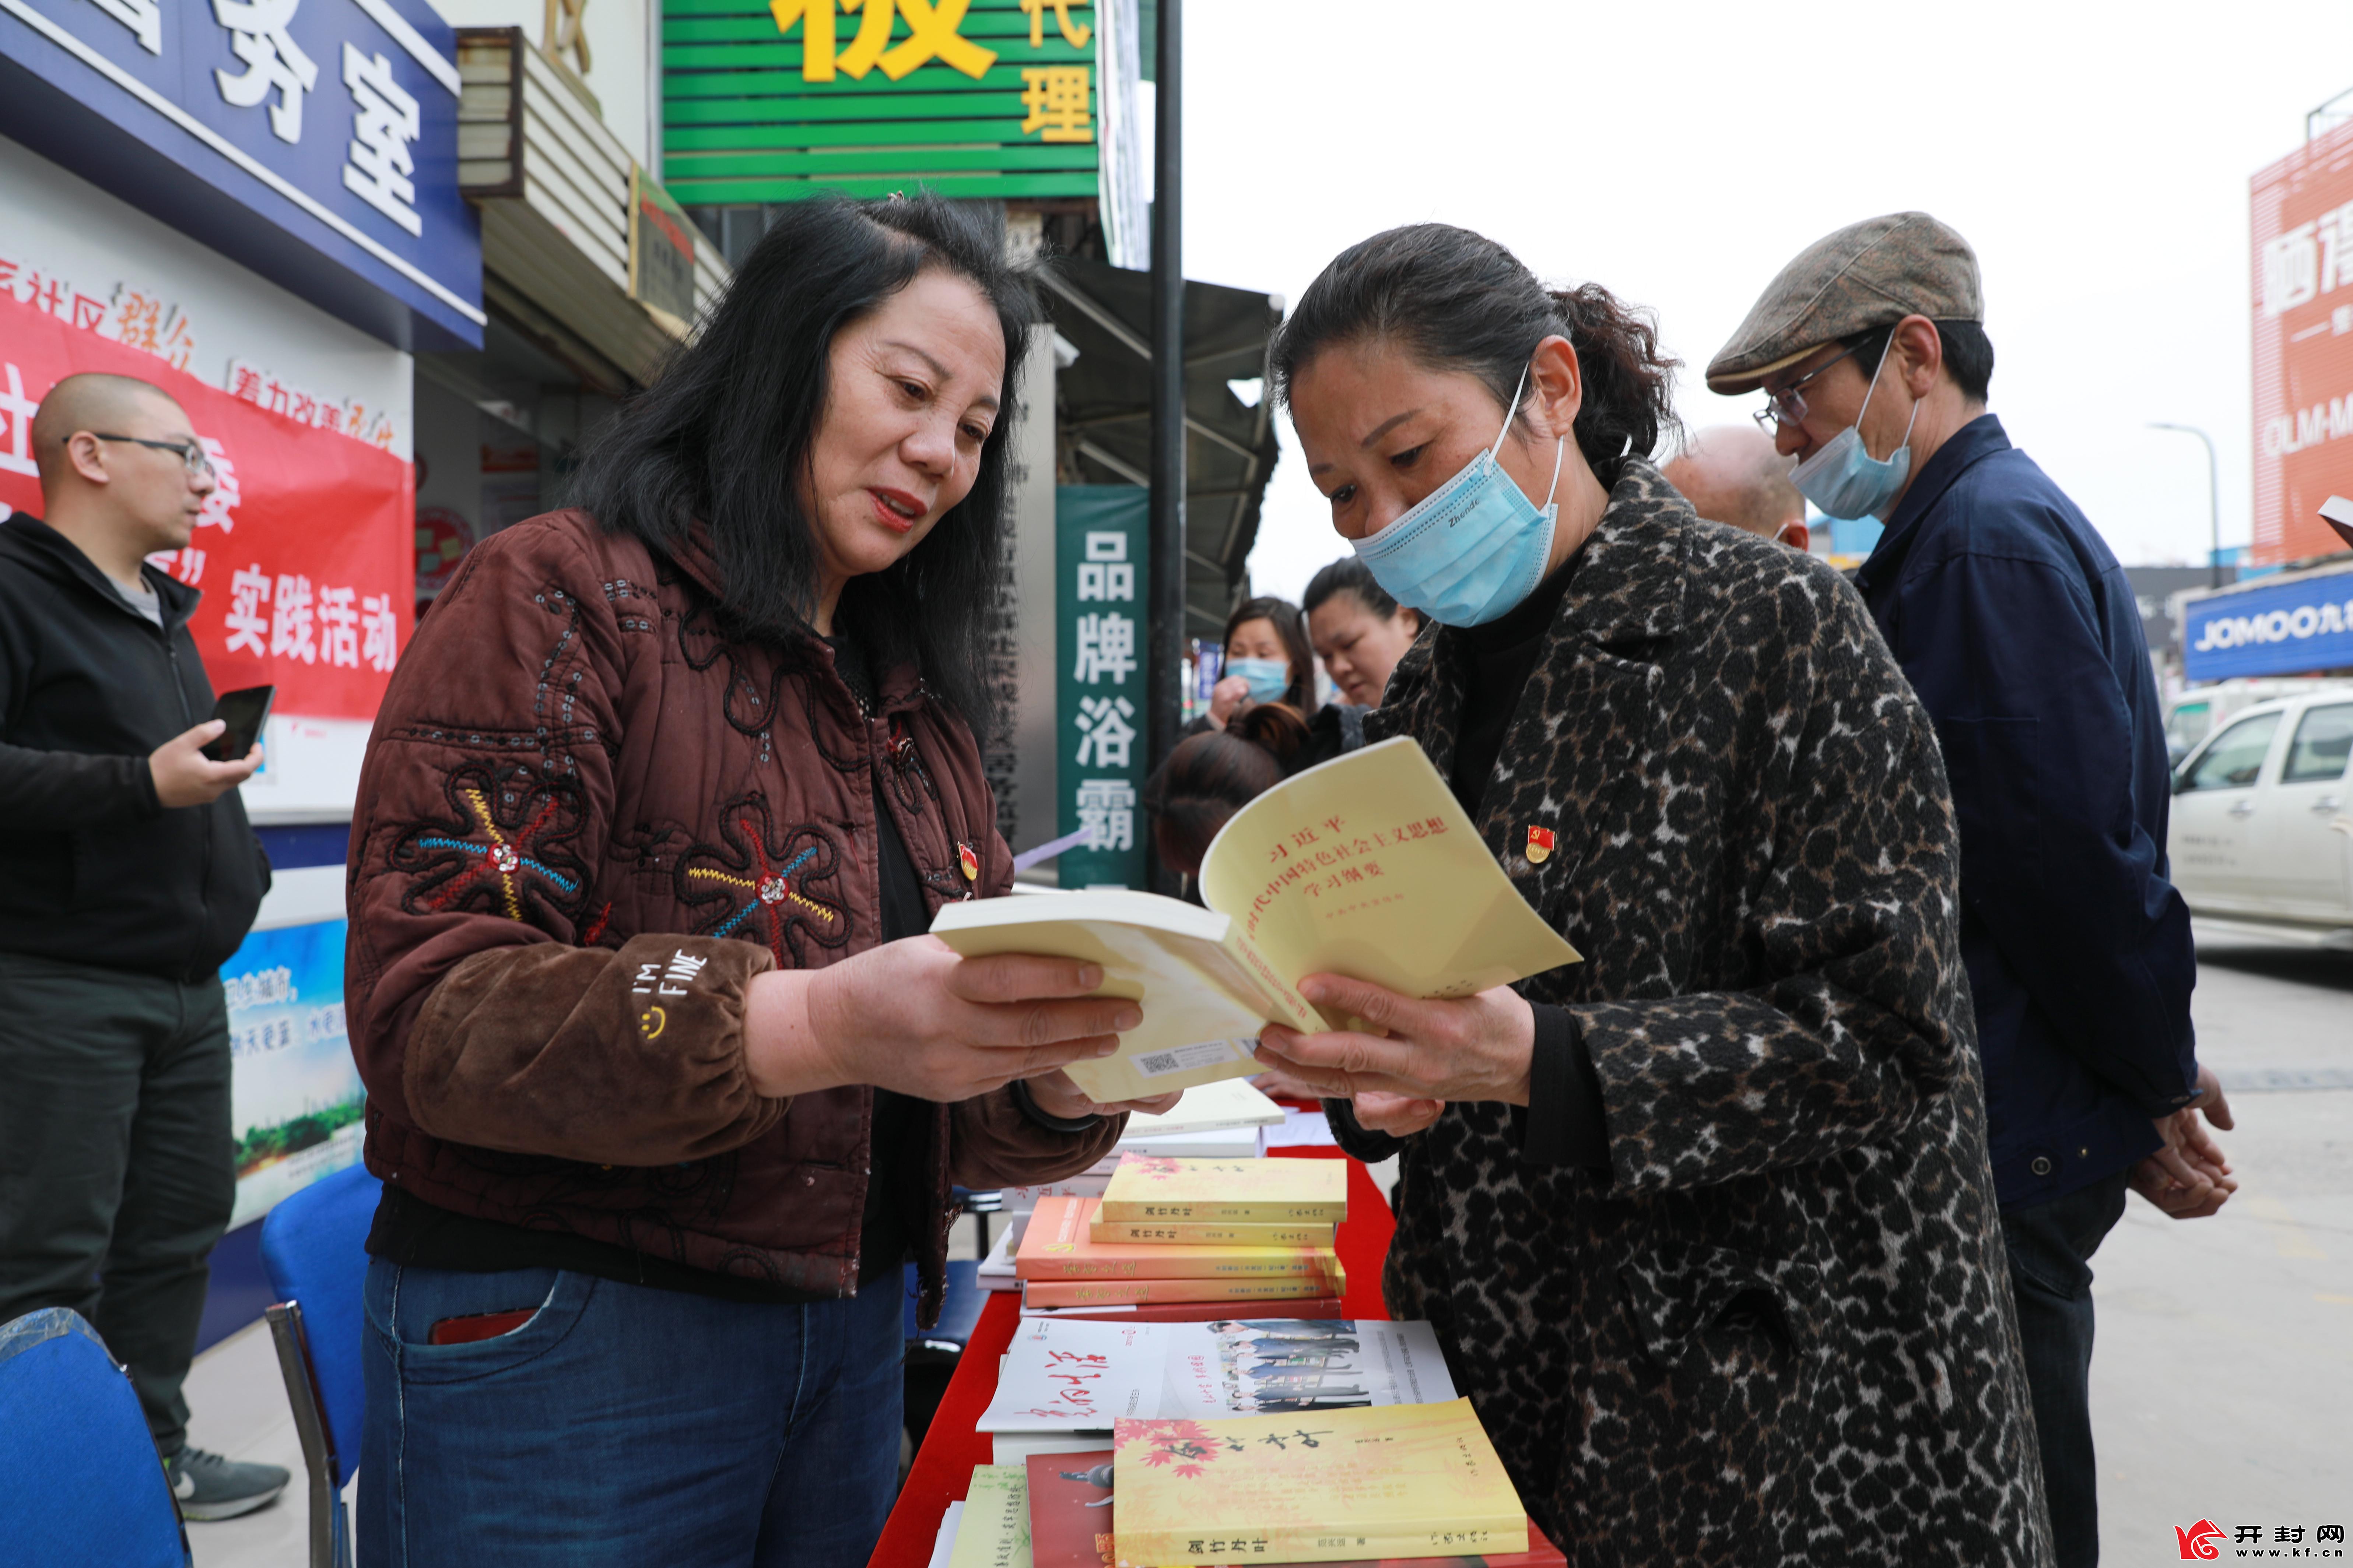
x=1508 y=412
x=1867 y=392
x=1560 y=447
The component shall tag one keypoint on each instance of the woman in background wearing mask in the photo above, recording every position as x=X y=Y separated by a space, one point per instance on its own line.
x=1704 y=1222
x=1357 y=629
x=1266 y=660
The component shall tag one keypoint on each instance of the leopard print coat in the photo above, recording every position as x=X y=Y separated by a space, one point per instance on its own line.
x=1779 y=1330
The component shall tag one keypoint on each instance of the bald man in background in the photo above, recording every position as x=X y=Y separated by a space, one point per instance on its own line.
x=128 y=874
x=1732 y=474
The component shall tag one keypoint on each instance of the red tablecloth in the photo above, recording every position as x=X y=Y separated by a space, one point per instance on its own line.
x=943 y=1466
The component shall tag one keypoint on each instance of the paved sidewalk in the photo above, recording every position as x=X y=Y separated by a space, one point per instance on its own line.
x=2222 y=1384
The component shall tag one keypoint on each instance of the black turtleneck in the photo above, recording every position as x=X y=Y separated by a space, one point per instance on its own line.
x=1501 y=656
x=1563 y=1124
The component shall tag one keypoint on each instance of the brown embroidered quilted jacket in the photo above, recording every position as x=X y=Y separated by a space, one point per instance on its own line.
x=585 y=821
x=1779 y=1330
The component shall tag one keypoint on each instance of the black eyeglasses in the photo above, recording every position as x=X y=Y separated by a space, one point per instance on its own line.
x=1788 y=406
x=190 y=452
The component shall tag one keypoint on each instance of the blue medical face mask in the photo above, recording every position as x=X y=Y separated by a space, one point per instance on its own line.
x=1269 y=678
x=1472 y=549
x=1843 y=478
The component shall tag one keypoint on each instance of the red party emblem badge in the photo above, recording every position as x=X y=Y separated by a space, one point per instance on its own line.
x=1540 y=843
x=969 y=862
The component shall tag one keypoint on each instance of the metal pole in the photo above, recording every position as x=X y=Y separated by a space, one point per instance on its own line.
x=1165 y=664
x=2213 y=500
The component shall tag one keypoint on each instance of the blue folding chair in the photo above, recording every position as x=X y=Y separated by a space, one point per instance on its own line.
x=314 y=1249
x=80 y=1484
x=932 y=1352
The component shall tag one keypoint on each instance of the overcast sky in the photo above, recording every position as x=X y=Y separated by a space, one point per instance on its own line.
x=2097 y=157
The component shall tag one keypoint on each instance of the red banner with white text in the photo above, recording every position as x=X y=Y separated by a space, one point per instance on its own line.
x=306 y=551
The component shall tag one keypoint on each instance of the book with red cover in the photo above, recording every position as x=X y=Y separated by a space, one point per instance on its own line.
x=1070 y=1511
x=1071 y=1523
x=1195 y=1311
x=1099 y=1292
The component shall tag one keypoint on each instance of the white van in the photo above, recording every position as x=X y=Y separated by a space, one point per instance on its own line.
x=2263 y=818
x=2198 y=711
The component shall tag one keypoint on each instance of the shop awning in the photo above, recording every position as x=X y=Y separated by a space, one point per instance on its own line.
x=554 y=189
x=1104 y=413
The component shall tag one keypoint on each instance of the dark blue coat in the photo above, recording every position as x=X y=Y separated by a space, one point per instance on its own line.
x=2019 y=633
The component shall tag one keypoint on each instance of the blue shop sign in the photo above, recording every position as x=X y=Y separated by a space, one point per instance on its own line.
x=276 y=131
x=2287 y=628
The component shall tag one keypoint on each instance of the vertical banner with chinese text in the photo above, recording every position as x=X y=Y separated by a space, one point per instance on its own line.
x=305 y=551
x=1099 y=587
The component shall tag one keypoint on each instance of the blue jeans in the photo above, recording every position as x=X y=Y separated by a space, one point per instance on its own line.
x=623 y=1425
x=2051 y=1247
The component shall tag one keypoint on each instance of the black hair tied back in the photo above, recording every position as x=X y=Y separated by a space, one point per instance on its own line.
x=1460 y=301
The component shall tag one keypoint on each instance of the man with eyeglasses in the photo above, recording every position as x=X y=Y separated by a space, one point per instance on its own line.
x=2016 y=625
x=127 y=873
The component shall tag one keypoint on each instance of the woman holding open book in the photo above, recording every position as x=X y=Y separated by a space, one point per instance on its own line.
x=665 y=1080
x=1704 y=1222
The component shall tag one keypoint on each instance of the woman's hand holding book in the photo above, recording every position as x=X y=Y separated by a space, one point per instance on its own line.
x=1410 y=1055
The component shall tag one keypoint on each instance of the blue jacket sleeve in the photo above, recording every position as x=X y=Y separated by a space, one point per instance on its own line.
x=2055 y=861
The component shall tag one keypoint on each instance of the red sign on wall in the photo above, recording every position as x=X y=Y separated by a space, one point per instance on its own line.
x=2304 y=345
x=305 y=555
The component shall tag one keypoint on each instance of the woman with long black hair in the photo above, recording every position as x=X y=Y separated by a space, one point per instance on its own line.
x=1704 y=1222
x=665 y=1081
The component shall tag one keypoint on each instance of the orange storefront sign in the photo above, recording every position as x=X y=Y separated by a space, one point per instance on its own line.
x=2303 y=233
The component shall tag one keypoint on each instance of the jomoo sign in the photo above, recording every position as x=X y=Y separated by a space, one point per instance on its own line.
x=2294 y=626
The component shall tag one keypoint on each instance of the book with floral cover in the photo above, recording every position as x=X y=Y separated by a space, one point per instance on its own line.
x=1332 y=1486
x=1241 y=1192
x=1073 y=1522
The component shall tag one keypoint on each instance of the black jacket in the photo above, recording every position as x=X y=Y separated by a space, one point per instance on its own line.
x=93 y=868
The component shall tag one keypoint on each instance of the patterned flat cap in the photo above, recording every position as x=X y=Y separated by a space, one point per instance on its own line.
x=1865 y=275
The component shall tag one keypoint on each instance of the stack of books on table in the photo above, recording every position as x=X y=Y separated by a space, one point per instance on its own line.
x=1367 y=1486
x=1224 y=1120
x=1189 y=1239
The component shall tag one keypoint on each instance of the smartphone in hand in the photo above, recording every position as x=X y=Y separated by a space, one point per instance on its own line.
x=245 y=711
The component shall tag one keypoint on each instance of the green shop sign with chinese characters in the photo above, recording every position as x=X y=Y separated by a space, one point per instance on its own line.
x=1100 y=581
x=784 y=99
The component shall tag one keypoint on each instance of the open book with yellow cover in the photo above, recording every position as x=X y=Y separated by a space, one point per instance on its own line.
x=1365 y=866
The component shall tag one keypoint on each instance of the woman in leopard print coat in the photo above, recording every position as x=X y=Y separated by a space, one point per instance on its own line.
x=1705 y=1222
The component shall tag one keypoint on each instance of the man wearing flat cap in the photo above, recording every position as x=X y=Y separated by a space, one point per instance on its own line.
x=2017 y=627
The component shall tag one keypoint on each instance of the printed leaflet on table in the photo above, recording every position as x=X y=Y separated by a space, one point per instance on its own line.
x=1077 y=1376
